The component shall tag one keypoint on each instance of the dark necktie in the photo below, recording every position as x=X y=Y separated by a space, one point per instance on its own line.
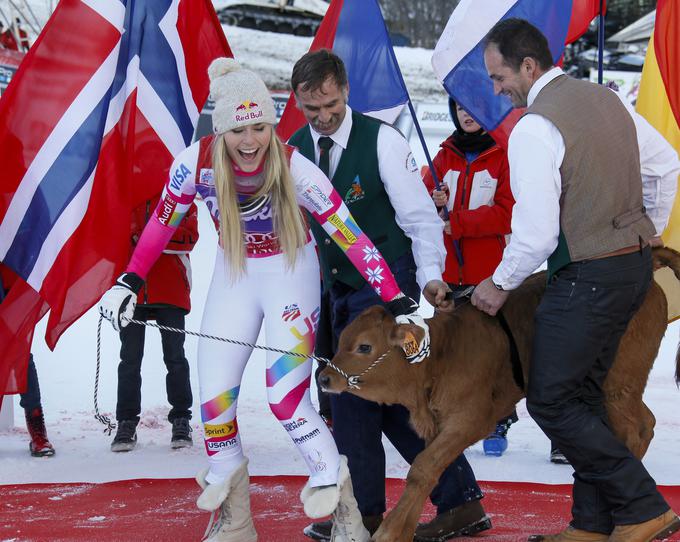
x=325 y=144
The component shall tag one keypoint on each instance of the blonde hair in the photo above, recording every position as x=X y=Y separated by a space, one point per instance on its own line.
x=289 y=224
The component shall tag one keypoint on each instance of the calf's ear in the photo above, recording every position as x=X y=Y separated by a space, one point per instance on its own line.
x=405 y=336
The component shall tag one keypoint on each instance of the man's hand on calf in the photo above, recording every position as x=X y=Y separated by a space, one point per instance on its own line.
x=488 y=298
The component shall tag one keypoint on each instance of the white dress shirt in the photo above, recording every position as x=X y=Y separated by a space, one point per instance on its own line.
x=414 y=209
x=535 y=154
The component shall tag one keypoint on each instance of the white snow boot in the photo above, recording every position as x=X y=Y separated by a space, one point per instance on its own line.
x=229 y=502
x=337 y=500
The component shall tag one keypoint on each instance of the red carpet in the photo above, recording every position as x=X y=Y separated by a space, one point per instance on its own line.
x=150 y=510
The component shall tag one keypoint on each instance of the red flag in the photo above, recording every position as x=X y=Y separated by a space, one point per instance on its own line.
x=666 y=45
x=293 y=119
x=355 y=30
x=582 y=13
x=106 y=97
x=21 y=309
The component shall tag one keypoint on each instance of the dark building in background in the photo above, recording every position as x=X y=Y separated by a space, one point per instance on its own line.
x=621 y=13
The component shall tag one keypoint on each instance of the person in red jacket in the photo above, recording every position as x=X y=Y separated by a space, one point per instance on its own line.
x=475 y=199
x=476 y=205
x=164 y=298
x=7 y=38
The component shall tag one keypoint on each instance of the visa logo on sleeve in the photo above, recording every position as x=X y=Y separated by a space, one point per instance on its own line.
x=178 y=177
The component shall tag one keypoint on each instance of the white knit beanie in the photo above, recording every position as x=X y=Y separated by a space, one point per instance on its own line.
x=241 y=97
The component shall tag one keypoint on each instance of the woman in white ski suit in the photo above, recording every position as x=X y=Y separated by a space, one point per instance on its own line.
x=266 y=269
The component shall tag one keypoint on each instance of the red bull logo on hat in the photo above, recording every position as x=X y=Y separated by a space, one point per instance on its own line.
x=248 y=111
x=247 y=106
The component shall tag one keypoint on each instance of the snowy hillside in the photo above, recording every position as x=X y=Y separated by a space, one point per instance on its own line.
x=273 y=56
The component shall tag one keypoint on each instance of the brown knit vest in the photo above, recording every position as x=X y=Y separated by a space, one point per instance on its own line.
x=601 y=206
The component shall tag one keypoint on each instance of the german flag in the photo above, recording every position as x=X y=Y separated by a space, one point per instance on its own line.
x=659 y=102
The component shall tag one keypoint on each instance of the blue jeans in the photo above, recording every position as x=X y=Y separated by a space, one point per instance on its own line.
x=358 y=424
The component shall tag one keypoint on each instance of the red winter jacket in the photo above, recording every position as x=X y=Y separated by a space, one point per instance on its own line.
x=480 y=206
x=8 y=41
x=169 y=281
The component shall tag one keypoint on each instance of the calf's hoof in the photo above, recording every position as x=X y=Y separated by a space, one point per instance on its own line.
x=464 y=520
x=393 y=529
x=570 y=534
x=658 y=528
x=387 y=536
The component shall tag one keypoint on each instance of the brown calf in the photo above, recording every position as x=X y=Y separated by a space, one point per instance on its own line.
x=456 y=395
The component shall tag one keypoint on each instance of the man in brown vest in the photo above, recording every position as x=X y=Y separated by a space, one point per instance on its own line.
x=576 y=172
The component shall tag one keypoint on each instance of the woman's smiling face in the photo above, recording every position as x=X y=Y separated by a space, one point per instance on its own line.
x=247 y=146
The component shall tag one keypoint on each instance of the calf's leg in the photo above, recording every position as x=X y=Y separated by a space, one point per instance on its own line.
x=633 y=423
x=457 y=484
x=400 y=524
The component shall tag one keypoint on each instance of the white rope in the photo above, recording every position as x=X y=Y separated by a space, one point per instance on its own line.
x=353 y=381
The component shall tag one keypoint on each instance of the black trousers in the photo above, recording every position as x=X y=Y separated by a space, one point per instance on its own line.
x=31 y=399
x=177 y=384
x=324 y=348
x=579 y=323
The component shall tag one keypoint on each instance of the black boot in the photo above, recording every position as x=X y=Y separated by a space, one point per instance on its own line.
x=556 y=455
x=321 y=530
x=181 y=433
x=464 y=520
x=126 y=436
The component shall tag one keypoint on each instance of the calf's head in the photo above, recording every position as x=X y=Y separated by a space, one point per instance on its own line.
x=370 y=361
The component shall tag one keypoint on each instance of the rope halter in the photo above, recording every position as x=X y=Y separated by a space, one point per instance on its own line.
x=353 y=381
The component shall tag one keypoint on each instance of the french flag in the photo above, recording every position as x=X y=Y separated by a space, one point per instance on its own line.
x=458 y=58
x=355 y=30
x=107 y=96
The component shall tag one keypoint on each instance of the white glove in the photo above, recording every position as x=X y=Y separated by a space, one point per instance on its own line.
x=404 y=309
x=121 y=299
x=415 y=351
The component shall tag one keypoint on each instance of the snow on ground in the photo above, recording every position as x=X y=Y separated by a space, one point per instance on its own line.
x=67 y=383
x=67 y=375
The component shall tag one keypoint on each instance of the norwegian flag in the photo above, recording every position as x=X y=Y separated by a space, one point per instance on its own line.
x=107 y=96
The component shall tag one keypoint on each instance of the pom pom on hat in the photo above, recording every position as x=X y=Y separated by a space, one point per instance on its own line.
x=222 y=66
x=241 y=97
